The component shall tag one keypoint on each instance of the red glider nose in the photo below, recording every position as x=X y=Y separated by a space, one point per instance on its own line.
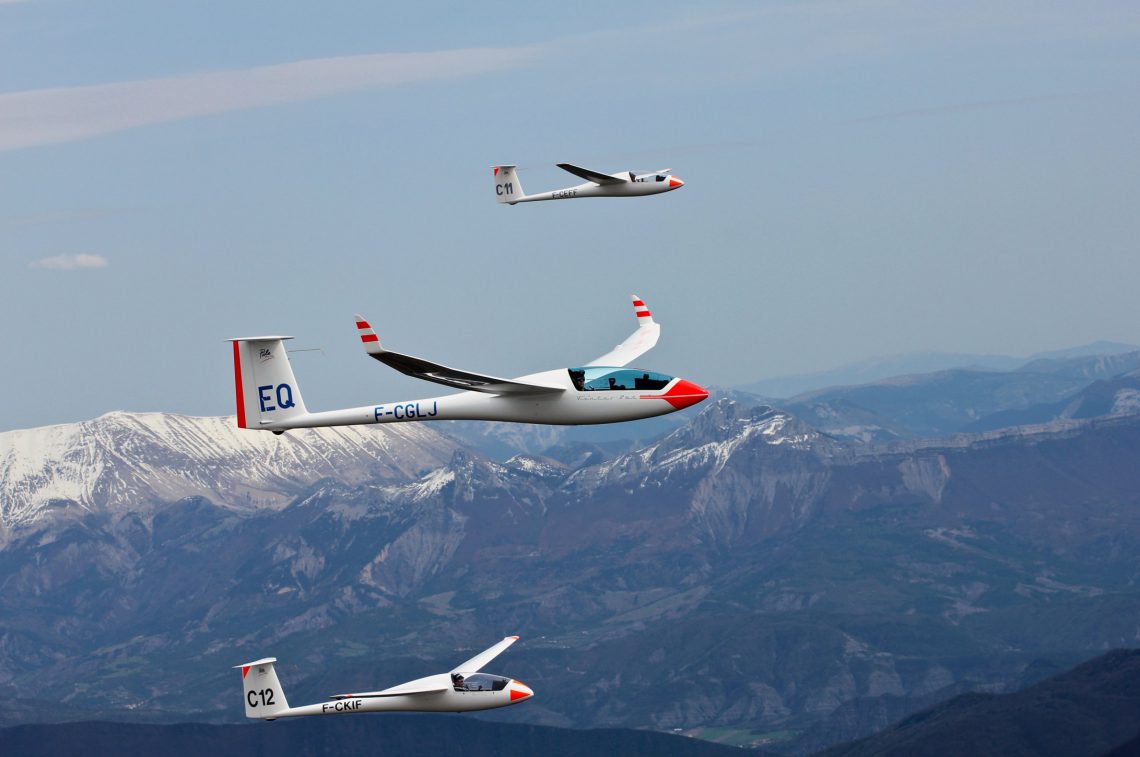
x=674 y=182
x=685 y=393
x=520 y=690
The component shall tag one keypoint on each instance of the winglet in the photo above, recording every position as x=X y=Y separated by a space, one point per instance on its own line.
x=368 y=336
x=641 y=310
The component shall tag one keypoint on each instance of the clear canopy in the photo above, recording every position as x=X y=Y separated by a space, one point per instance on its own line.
x=479 y=682
x=599 y=378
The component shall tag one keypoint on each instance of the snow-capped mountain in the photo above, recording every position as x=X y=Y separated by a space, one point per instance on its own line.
x=122 y=459
x=810 y=564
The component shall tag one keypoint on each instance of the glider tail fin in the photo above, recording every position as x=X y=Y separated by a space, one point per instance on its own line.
x=265 y=387
x=264 y=697
x=508 y=188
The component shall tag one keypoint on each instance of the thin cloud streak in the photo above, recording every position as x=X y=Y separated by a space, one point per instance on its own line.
x=46 y=116
x=70 y=262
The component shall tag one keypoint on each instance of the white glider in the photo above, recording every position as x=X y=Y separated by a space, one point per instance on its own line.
x=509 y=189
x=601 y=391
x=464 y=689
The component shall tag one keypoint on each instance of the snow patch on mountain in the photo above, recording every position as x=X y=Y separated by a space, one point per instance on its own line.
x=708 y=443
x=125 y=459
x=1126 y=402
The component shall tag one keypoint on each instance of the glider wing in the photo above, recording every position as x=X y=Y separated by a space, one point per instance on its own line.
x=476 y=663
x=588 y=175
x=429 y=685
x=441 y=374
x=638 y=343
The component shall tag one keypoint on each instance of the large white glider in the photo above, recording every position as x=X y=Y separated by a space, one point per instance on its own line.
x=464 y=689
x=601 y=391
x=509 y=189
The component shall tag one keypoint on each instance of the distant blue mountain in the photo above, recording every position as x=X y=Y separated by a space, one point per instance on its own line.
x=878 y=368
x=1053 y=386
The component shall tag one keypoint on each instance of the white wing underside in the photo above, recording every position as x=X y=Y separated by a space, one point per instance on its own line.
x=638 y=343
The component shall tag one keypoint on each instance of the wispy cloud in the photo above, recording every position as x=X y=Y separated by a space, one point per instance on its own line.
x=70 y=262
x=45 y=116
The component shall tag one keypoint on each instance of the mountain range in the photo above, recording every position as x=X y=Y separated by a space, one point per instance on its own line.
x=911 y=363
x=748 y=577
x=1093 y=709
x=961 y=400
x=992 y=393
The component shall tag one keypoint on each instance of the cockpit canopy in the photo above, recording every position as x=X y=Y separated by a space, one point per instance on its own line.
x=479 y=682
x=597 y=378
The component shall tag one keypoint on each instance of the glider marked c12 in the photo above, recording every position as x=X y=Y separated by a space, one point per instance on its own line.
x=464 y=689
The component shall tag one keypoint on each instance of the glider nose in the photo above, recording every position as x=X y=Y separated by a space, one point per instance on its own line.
x=519 y=691
x=685 y=393
x=674 y=182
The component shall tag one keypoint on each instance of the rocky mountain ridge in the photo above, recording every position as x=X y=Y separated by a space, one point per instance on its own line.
x=123 y=460
x=745 y=572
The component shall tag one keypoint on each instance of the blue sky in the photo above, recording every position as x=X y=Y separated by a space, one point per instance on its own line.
x=862 y=178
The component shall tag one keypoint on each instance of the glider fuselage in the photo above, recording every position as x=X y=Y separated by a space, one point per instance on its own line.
x=449 y=700
x=603 y=390
x=466 y=688
x=508 y=186
x=569 y=407
x=590 y=189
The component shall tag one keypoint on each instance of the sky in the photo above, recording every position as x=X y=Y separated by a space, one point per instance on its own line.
x=866 y=177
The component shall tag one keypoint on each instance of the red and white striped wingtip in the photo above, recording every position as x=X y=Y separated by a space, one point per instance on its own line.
x=641 y=310
x=367 y=335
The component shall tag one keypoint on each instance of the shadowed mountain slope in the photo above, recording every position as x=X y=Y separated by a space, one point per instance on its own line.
x=398 y=735
x=1085 y=711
